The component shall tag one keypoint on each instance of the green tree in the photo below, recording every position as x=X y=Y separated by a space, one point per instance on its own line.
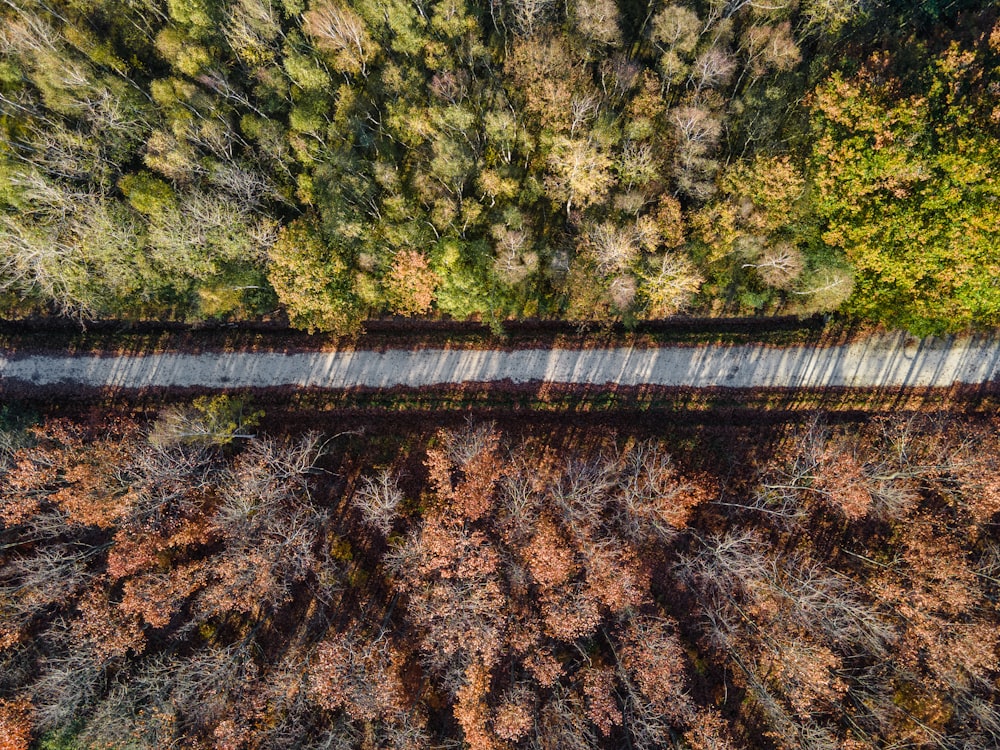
x=213 y=420
x=907 y=186
x=312 y=281
x=468 y=286
x=148 y=194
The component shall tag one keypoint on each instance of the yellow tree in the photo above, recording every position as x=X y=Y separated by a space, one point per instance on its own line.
x=579 y=173
x=907 y=186
x=312 y=282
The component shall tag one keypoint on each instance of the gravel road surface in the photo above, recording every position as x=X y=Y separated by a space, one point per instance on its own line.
x=892 y=360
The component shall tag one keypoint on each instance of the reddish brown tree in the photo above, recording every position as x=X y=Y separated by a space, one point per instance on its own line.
x=358 y=673
x=410 y=283
x=15 y=724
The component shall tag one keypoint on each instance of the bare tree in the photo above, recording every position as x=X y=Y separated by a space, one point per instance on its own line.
x=825 y=289
x=780 y=265
x=614 y=248
x=378 y=499
x=582 y=491
x=33 y=583
x=654 y=501
x=831 y=14
x=66 y=687
x=583 y=108
x=528 y=16
x=578 y=172
x=514 y=259
x=339 y=29
x=622 y=290
x=698 y=129
x=464 y=445
x=182 y=424
x=28 y=32
x=711 y=69
x=637 y=165
x=597 y=20
x=269 y=527
x=563 y=725
x=250 y=187
x=670 y=285
x=677 y=29
x=253 y=30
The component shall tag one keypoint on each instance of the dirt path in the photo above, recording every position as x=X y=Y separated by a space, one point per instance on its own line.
x=882 y=361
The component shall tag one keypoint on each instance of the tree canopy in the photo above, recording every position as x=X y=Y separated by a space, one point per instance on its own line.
x=775 y=586
x=545 y=159
x=907 y=181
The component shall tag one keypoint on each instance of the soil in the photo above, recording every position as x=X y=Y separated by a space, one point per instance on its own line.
x=47 y=334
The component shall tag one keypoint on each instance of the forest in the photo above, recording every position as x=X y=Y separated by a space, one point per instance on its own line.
x=324 y=162
x=550 y=568
x=207 y=575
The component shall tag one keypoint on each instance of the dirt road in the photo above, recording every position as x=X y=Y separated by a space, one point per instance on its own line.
x=883 y=361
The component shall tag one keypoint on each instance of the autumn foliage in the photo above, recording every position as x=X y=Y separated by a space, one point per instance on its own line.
x=818 y=585
x=15 y=724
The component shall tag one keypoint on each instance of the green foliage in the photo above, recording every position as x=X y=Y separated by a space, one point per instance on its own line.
x=468 y=287
x=192 y=13
x=59 y=740
x=307 y=74
x=907 y=185
x=16 y=417
x=148 y=194
x=11 y=196
x=213 y=420
x=312 y=280
x=183 y=53
x=770 y=185
x=237 y=290
x=148 y=156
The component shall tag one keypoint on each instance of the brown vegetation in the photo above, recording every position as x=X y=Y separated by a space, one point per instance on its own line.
x=815 y=584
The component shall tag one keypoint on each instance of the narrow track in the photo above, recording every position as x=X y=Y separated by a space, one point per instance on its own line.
x=892 y=360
